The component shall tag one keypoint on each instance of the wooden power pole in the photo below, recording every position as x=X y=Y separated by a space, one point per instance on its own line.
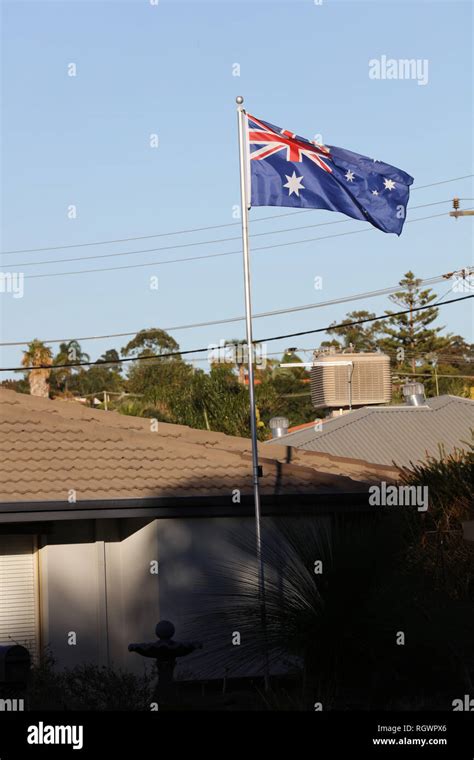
x=459 y=212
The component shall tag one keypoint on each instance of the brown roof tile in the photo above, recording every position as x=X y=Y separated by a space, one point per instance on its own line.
x=50 y=447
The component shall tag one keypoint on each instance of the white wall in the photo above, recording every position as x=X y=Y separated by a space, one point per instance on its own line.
x=69 y=593
x=95 y=580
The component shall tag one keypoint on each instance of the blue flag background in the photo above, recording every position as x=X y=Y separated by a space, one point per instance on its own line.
x=288 y=170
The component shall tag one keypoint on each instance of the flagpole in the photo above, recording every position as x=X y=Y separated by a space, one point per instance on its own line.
x=244 y=202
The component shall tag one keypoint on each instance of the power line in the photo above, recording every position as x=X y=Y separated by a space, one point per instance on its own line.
x=217 y=255
x=159 y=234
x=182 y=245
x=442 y=182
x=194 y=243
x=179 y=245
x=429 y=374
x=202 y=350
x=200 y=229
x=260 y=315
x=360 y=321
x=408 y=355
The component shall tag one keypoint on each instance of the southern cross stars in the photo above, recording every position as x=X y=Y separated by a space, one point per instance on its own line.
x=294 y=184
x=349 y=175
x=388 y=184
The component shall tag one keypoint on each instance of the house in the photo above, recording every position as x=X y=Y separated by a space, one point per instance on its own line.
x=107 y=522
x=388 y=435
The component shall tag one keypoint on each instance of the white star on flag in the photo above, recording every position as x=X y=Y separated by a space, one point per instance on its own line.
x=375 y=192
x=294 y=184
x=349 y=175
x=389 y=184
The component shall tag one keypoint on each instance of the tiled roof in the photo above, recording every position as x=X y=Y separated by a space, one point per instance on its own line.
x=391 y=434
x=49 y=447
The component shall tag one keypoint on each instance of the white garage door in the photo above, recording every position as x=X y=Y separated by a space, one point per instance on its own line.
x=18 y=592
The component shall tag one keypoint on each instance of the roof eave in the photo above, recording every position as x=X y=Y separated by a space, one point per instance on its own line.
x=197 y=507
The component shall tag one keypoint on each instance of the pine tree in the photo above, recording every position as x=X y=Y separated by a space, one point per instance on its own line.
x=409 y=336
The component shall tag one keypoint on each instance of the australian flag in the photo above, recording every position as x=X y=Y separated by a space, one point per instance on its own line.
x=287 y=170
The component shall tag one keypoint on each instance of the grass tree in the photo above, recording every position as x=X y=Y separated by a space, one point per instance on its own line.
x=349 y=620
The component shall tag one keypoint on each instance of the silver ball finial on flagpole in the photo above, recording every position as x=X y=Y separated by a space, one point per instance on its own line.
x=239 y=100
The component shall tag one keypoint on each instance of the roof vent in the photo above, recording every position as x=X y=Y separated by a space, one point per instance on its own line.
x=279 y=426
x=414 y=394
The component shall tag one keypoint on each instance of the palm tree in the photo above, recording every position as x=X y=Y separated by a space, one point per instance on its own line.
x=68 y=353
x=38 y=355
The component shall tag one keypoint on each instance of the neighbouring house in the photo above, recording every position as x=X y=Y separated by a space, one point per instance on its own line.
x=388 y=435
x=107 y=522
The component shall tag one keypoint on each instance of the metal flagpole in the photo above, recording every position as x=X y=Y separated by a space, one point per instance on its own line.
x=248 y=318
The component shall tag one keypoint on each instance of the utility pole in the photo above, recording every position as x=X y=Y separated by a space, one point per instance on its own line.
x=459 y=212
x=434 y=363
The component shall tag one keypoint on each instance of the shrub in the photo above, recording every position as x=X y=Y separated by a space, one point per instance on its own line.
x=88 y=687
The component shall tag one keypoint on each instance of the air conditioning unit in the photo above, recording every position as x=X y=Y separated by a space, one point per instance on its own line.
x=348 y=380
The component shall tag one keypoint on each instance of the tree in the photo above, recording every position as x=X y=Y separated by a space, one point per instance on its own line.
x=156 y=381
x=227 y=402
x=69 y=353
x=413 y=345
x=362 y=337
x=286 y=391
x=408 y=336
x=41 y=356
x=436 y=543
x=152 y=341
x=450 y=370
x=159 y=383
x=111 y=359
x=173 y=391
x=106 y=375
x=97 y=378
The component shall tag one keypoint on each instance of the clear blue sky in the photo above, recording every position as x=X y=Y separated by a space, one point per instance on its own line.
x=168 y=69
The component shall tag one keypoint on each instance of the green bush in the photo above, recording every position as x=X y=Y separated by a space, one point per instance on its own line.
x=88 y=687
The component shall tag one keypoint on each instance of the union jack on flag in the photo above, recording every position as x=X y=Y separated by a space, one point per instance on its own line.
x=295 y=148
x=288 y=170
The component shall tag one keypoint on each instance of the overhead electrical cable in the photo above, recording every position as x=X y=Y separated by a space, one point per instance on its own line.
x=216 y=255
x=171 y=354
x=259 y=315
x=204 y=229
x=193 y=244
